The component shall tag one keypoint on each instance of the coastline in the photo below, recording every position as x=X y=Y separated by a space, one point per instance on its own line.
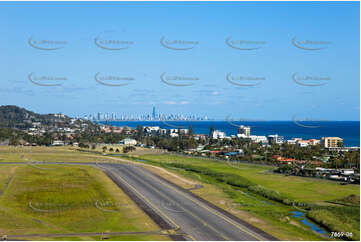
x=348 y=130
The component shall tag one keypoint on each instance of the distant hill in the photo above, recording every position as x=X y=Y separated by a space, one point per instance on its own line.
x=15 y=117
x=21 y=126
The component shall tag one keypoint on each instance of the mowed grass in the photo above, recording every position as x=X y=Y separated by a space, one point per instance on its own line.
x=48 y=154
x=68 y=199
x=298 y=188
x=275 y=219
x=269 y=215
x=5 y=173
x=108 y=238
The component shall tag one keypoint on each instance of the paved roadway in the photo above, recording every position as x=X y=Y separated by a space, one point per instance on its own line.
x=180 y=209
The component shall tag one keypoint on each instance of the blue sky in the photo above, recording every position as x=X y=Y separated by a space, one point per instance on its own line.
x=270 y=27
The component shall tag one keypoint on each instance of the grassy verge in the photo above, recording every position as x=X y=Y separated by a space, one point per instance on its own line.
x=69 y=199
x=251 y=192
x=98 y=238
x=338 y=219
x=269 y=197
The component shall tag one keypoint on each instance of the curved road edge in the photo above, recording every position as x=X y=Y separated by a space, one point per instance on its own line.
x=224 y=212
x=159 y=220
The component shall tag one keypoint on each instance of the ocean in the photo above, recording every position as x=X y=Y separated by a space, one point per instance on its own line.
x=348 y=130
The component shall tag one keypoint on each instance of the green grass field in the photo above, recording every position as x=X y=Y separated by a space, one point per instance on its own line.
x=299 y=188
x=327 y=198
x=68 y=199
x=275 y=216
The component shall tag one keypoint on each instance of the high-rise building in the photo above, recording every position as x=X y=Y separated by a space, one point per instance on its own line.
x=275 y=138
x=332 y=142
x=153 y=113
x=246 y=130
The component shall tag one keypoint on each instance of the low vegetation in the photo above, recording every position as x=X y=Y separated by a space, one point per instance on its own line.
x=68 y=199
x=286 y=193
x=343 y=219
x=258 y=195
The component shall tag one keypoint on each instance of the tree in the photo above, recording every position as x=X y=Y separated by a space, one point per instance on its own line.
x=128 y=149
x=111 y=149
x=211 y=130
x=139 y=132
x=104 y=148
x=191 y=132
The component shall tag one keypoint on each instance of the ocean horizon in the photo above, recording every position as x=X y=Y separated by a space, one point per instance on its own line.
x=349 y=131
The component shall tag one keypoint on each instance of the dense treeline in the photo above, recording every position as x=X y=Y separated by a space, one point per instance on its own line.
x=20 y=118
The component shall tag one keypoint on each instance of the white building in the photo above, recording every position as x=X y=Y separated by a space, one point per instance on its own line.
x=175 y=131
x=58 y=143
x=128 y=141
x=151 y=130
x=302 y=143
x=314 y=141
x=293 y=141
x=217 y=134
x=257 y=139
x=246 y=130
x=347 y=172
x=173 y=135
x=275 y=138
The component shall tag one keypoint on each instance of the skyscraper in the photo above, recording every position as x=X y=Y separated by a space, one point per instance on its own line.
x=153 y=113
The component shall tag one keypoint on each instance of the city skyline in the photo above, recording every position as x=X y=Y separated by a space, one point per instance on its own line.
x=298 y=59
x=153 y=116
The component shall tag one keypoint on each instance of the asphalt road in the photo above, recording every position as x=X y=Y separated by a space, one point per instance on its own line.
x=182 y=211
x=179 y=208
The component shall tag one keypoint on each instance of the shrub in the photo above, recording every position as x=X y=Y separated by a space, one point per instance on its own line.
x=270 y=194
x=128 y=149
x=237 y=181
x=338 y=220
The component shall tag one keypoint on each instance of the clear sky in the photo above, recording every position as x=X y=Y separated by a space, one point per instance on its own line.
x=263 y=31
